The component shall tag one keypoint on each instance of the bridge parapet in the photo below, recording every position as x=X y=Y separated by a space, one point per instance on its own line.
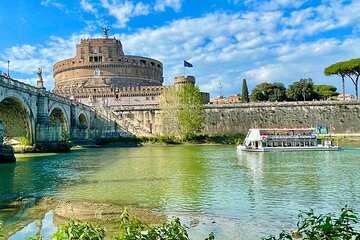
x=11 y=83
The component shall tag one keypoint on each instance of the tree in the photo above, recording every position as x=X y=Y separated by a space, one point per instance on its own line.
x=340 y=70
x=268 y=92
x=182 y=110
x=300 y=90
x=353 y=72
x=245 y=92
x=324 y=92
x=277 y=92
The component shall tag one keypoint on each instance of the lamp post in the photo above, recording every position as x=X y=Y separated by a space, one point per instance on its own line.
x=8 y=62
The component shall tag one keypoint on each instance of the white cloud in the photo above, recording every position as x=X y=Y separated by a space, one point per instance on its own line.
x=123 y=11
x=53 y=3
x=271 y=5
x=160 y=5
x=26 y=59
x=88 y=7
x=21 y=52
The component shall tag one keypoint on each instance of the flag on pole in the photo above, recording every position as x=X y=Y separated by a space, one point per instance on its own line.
x=4 y=74
x=187 y=64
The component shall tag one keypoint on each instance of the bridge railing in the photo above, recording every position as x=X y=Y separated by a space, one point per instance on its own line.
x=9 y=82
x=18 y=84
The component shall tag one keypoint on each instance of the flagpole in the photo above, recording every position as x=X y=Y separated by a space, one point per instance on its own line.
x=184 y=68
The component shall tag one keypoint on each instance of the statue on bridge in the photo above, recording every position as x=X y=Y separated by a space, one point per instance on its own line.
x=40 y=74
x=40 y=82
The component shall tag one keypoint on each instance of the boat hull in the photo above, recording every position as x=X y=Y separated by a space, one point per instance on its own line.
x=242 y=148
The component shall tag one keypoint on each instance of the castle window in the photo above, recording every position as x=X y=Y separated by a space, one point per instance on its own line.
x=90 y=59
x=95 y=59
x=159 y=66
x=100 y=59
x=142 y=62
x=152 y=64
x=147 y=98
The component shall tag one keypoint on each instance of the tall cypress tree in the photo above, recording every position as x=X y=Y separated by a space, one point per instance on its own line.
x=245 y=92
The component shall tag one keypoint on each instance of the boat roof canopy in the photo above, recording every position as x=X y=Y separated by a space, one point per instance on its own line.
x=285 y=129
x=256 y=134
x=253 y=135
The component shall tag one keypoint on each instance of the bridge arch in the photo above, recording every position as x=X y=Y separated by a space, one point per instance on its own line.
x=58 y=116
x=83 y=121
x=15 y=115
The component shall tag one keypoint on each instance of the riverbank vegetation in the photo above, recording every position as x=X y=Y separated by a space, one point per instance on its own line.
x=130 y=228
x=310 y=226
x=1 y=231
x=324 y=226
x=167 y=139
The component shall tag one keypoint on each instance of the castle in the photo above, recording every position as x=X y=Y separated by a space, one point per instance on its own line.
x=101 y=75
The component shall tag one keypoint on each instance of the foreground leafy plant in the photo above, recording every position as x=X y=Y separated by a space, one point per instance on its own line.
x=76 y=230
x=2 y=237
x=327 y=227
x=132 y=228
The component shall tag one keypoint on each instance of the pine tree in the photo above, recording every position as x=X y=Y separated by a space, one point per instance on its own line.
x=245 y=92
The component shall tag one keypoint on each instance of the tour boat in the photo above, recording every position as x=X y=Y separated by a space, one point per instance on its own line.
x=285 y=139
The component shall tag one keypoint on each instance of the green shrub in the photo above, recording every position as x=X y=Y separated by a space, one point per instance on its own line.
x=2 y=237
x=37 y=237
x=327 y=227
x=169 y=139
x=24 y=141
x=132 y=228
x=76 y=230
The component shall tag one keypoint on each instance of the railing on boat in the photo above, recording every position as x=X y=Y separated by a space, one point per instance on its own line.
x=289 y=137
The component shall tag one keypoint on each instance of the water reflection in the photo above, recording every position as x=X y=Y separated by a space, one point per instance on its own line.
x=286 y=182
x=246 y=194
x=45 y=227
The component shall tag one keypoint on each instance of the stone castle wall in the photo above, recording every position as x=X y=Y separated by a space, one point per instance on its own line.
x=101 y=62
x=130 y=66
x=230 y=119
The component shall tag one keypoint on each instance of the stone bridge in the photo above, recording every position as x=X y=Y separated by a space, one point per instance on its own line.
x=30 y=115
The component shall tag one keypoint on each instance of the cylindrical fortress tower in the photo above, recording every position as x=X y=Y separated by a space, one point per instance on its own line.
x=101 y=63
x=178 y=80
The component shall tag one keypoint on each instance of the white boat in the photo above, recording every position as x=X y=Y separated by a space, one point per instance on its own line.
x=285 y=139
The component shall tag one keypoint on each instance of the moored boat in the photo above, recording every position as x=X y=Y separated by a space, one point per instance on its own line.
x=285 y=139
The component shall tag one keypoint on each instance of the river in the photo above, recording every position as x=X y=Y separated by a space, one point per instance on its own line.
x=210 y=187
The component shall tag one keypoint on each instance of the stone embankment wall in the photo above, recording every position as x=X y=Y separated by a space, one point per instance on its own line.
x=343 y=117
x=230 y=119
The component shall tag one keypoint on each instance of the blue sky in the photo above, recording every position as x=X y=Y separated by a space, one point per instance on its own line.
x=226 y=41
